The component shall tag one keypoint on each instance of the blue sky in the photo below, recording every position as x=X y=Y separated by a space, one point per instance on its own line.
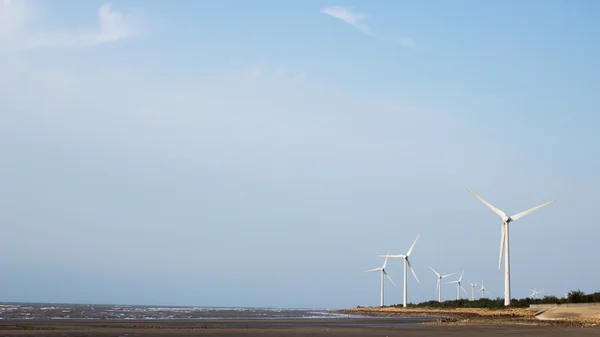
x=262 y=153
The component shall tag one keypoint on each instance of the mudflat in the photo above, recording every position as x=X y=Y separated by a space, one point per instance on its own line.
x=255 y=328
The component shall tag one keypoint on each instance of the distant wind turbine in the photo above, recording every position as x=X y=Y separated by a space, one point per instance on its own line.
x=504 y=239
x=482 y=290
x=534 y=294
x=459 y=286
x=473 y=285
x=406 y=262
x=383 y=272
x=438 y=288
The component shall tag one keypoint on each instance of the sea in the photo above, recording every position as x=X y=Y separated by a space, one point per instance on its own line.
x=134 y=312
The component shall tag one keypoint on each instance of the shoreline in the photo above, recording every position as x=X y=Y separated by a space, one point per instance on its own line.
x=472 y=316
x=268 y=328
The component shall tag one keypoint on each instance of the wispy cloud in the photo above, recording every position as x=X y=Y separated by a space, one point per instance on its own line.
x=18 y=17
x=356 y=19
x=348 y=15
x=114 y=25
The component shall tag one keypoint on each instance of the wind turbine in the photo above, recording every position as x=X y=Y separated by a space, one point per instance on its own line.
x=534 y=293
x=438 y=288
x=506 y=219
x=473 y=285
x=459 y=286
x=482 y=290
x=383 y=272
x=406 y=262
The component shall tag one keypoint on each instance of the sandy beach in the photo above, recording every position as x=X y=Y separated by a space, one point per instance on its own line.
x=484 y=316
x=347 y=327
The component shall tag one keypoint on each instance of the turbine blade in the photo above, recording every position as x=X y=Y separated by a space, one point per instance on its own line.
x=438 y=275
x=386 y=260
x=451 y=282
x=374 y=269
x=388 y=276
x=502 y=239
x=463 y=289
x=490 y=206
x=413 y=245
x=522 y=214
x=413 y=271
x=391 y=256
x=461 y=275
x=448 y=275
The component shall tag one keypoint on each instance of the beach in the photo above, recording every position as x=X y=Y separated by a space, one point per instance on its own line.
x=70 y=320
x=568 y=317
x=252 y=328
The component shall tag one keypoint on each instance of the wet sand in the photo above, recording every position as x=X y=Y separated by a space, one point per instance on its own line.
x=255 y=328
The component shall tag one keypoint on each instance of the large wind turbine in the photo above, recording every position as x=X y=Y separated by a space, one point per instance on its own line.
x=383 y=272
x=438 y=289
x=459 y=286
x=504 y=239
x=473 y=285
x=406 y=262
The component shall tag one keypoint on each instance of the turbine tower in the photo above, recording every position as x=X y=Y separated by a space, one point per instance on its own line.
x=383 y=272
x=506 y=219
x=473 y=285
x=459 y=286
x=438 y=288
x=406 y=262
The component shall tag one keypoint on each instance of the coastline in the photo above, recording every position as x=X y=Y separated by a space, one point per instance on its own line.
x=353 y=322
x=473 y=316
x=268 y=328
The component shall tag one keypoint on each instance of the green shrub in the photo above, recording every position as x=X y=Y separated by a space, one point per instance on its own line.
x=574 y=296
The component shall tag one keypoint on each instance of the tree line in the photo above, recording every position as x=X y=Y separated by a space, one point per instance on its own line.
x=574 y=296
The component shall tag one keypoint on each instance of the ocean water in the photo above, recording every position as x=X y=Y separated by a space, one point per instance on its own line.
x=91 y=311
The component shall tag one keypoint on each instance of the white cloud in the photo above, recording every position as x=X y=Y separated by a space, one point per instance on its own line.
x=348 y=15
x=113 y=25
x=18 y=31
x=356 y=19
